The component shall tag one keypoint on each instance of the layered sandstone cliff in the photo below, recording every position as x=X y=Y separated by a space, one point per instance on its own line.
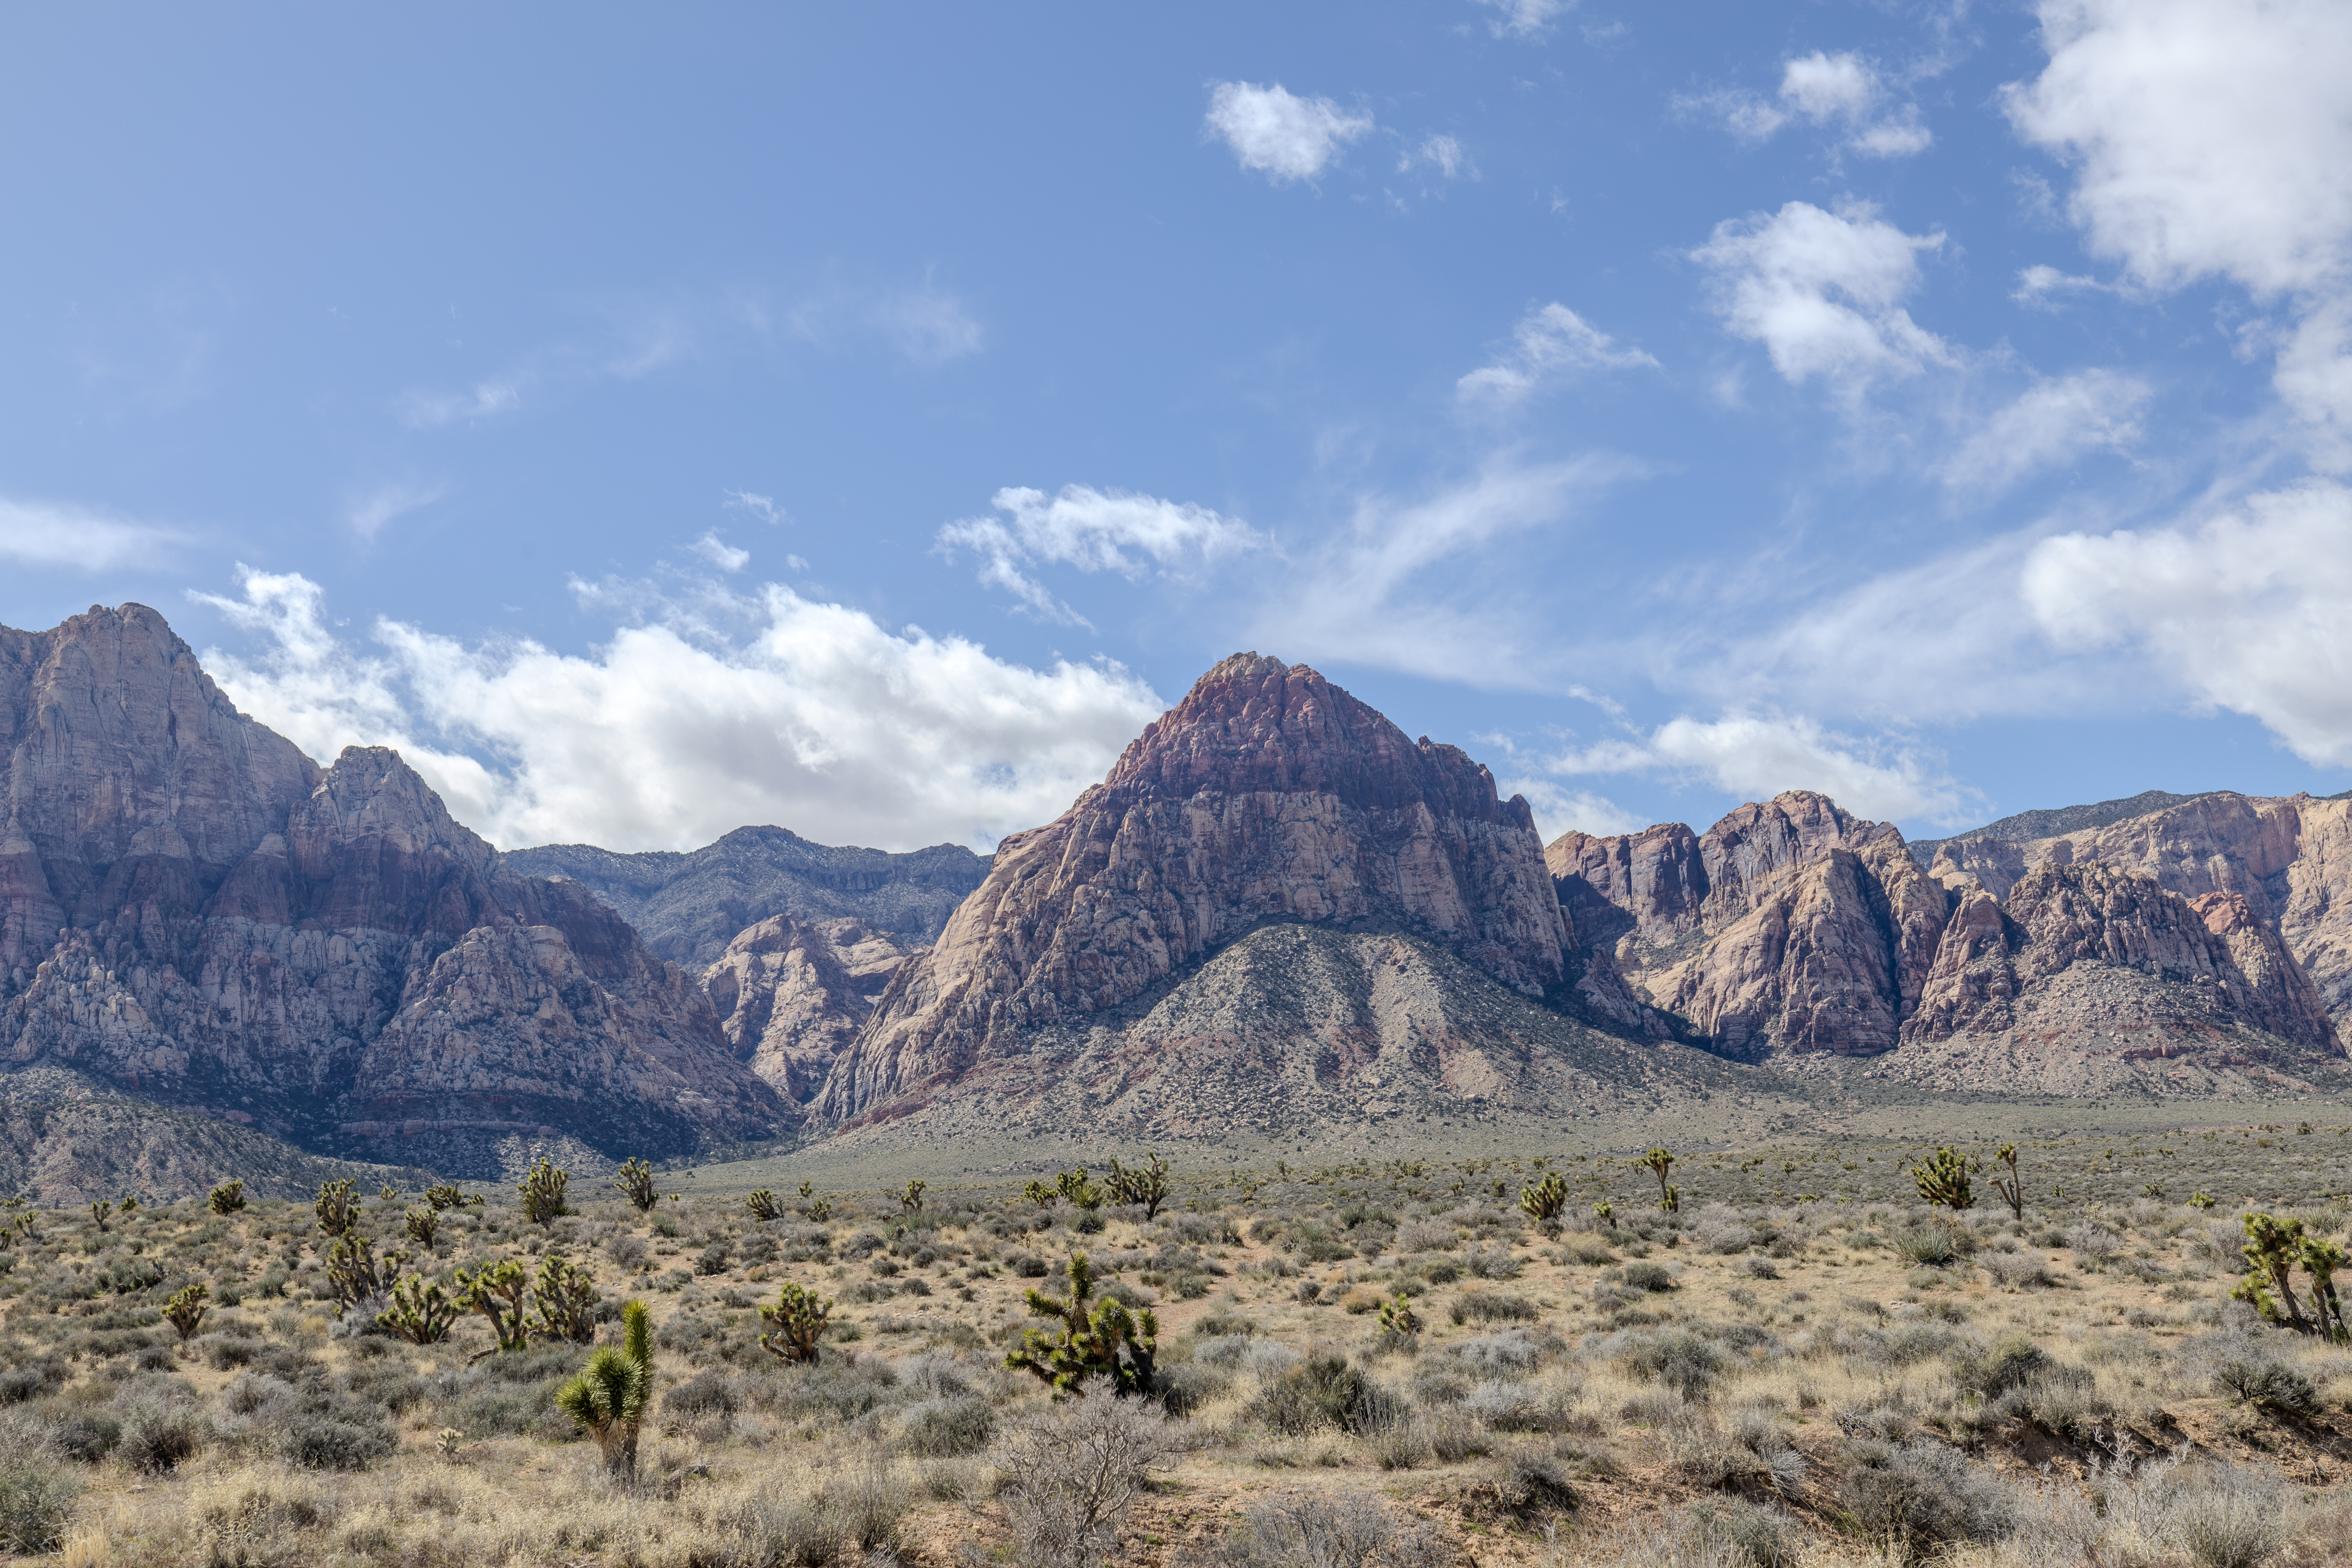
x=793 y=995
x=192 y=911
x=1267 y=795
x=1791 y=928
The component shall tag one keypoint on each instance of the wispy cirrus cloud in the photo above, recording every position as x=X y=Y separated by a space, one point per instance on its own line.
x=1550 y=342
x=37 y=532
x=1093 y=530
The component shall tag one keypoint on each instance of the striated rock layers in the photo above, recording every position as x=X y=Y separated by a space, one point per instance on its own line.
x=1791 y=928
x=192 y=911
x=1268 y=796
x=792 y=995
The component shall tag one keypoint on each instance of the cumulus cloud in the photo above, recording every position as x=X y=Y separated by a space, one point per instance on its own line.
x=1757 y=755
x=2215 y=141
x=371 y=511
x=1526 y=18
x=1842 y=91
x=720 y=553
x=1559 y=809
x=1823 y=292
x=1277 y=133
x=59 y=533
x=1411 y=585
x=2048 y=425
x=1094 y=531
x=816 y=718
x=1548 y=342
x=2249 y=611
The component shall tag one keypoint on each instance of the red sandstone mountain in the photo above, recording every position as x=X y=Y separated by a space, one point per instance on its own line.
x=1267 y=798
x=1792 y=928
x=193 y=912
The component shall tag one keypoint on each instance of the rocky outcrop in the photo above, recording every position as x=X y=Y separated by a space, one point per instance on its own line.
x=2289 y=858
x=1789 y=926
x=1995 y=954
x=792 y=995
x=197 y=913
x=1267 y=795
x=689 y=907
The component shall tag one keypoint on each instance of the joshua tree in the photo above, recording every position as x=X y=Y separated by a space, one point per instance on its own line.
x=419 y=1312
x=226 y=1198
x=1109 y=1342
x=2011 y=1190
x=1606 y=1213
x=911 y=1199
x=354 y=1273
x=1078 y=1190
x=542 y=1191
x=337 y=1213
x=609 y=1396
x=636 y=1183
x=496 y=1290
x=422 y=1225
x=1543 y=1202
x=388 y=1193
x=1398 y=1317
x=100 y=1210
x=1944 y=1180
x=2272 y=1250
x=1040 y=1195
x=763 y=1205
x=808 y=1191
x=796 y=1323
x=1660 y=1163
x=564 y=1298
x=129 y=1204
x=444 y=1196
x=1144 y=1184
x=2321 y=1258
x=185 y=1310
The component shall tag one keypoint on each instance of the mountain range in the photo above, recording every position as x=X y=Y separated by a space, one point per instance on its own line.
x=1277 y=915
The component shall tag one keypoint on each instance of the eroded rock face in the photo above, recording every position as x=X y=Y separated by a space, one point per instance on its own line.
x=197 y=913
x=1790 y=925
x=792 y=995
x=1267 y=794
x=1994 y=955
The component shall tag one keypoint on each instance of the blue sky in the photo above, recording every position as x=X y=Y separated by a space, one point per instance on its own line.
x=865 y=418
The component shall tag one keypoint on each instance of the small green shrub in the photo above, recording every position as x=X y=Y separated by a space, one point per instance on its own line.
x=36 y=1499
x=1315 y=1392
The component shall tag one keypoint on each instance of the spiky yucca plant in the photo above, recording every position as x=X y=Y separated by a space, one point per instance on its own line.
x=1660 y=1162
x=339 y=1212
x=420 y=1313
x=564 y=1298
x=1144 y=1184
x=796 y=1323
x=423 y=1224
x=542 y=1191
x=185 y=1310
x=763 y=1206
x=1542 y=1202
x=636 y=1183
x=496 y=1290
x=226 y=1198
x=609 y=1396
x=1943 y=1180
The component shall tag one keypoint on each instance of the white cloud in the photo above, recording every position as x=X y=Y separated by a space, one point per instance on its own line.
x=1757 y=755
x=1094 y=531
x=58 y=533
x=1548 y=341
x=720 y=553
x=1286 y=137
x=1561 y=810
x=2249 y=611
x=1823 y=292
x=2215 y=141
x=1442 y=153
x=1526 y=18
x=765 y=507
x=2039 y=284
x=1842 y=90
x=929 y=328
x=425 y=410
x=818 y=719
x=370 y=511
x=2208 y=139
x=2049 y=423
x=1409 y=585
